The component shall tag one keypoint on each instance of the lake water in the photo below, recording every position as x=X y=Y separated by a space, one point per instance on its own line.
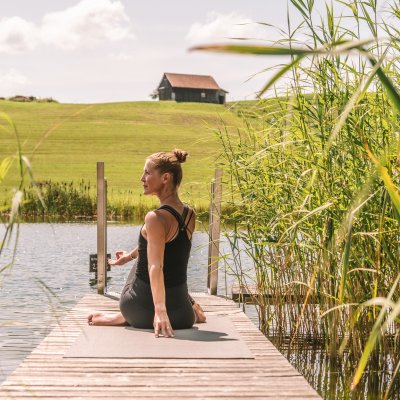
x=51 y=274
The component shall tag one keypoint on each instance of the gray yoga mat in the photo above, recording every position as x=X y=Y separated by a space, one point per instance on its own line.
x=217 y=338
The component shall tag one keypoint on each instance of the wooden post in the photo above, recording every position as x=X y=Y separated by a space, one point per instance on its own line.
x=210 y=241
x=101 y=229
x=105 y=234
x=214 y=232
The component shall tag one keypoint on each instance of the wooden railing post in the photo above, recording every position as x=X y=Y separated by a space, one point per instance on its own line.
x=101 y=229
x=214 y=232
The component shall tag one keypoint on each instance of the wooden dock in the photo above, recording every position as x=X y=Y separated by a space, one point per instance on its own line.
x=46 y=374
x=249 y=294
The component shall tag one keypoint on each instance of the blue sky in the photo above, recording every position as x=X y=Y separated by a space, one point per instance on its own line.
x=109 y=50
x=85 y=51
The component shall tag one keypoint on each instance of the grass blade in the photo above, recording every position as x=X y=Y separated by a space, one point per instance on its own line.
x=372 y=338
x=5 y=166
x=279 y=74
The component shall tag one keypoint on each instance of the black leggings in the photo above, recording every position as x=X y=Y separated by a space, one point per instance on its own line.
x=137 y=307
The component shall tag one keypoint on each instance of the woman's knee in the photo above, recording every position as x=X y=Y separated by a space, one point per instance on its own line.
x=136 y=315
x=183 y=318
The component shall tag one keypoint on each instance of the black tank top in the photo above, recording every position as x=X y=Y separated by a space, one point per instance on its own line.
x=176 y=252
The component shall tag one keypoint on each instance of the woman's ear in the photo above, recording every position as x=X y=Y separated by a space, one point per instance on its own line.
x=166 y=177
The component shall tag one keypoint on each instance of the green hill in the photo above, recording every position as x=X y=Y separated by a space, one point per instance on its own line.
x=64 y=141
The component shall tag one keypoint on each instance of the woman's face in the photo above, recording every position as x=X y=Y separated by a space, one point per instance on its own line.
x=151 y=178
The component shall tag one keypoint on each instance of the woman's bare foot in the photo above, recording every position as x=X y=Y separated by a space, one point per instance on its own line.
x=102 y=319
x=199 y=313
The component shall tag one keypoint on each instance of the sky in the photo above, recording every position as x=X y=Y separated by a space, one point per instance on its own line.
x=91 y=51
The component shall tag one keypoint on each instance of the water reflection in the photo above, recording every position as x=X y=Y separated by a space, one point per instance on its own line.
x=93 y=281
x=54 y=259
x=332 y=377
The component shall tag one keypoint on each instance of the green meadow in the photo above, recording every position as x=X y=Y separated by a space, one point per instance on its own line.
x=64 y=141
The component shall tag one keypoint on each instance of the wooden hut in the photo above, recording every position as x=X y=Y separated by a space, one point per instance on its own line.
x=190 y=88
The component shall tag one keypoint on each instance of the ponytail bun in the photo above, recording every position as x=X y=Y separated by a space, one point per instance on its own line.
x=180 y=155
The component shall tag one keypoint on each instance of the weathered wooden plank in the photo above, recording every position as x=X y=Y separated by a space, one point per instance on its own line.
x=206 y=388
x=214 y=232
x=249 y=294
x=101 y=228
x=46 y=374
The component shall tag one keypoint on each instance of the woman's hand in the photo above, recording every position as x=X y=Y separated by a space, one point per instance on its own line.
x=161 y=323
x=122 y=257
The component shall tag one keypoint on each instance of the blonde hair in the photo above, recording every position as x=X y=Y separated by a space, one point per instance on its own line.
x=170 y=162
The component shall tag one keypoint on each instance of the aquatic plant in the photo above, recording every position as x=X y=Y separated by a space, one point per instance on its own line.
x=316 y=178
x=8 y=127
x=70 y=201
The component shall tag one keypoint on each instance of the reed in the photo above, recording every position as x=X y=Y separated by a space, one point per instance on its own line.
x=72 y=201
x=333 y=380
x=61 y=199
x=317 y=184
x=25 y=173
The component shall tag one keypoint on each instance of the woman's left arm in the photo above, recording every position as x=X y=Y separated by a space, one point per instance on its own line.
x=155 y=231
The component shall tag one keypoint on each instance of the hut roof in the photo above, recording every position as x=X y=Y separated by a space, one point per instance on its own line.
x=192 y=81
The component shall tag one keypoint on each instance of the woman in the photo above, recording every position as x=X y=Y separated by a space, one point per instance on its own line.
x=156 y=294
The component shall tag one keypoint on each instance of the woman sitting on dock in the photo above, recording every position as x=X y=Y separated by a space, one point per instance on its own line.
x=156 y=293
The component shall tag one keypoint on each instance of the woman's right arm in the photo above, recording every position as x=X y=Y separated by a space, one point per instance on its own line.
x=122 y=257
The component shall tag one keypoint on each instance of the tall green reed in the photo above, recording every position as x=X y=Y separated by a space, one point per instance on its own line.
x=10 y=211
x=11 y=221
x=318 y=185
x=76 y=200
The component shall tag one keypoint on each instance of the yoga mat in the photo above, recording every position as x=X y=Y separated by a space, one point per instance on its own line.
x=217 y=338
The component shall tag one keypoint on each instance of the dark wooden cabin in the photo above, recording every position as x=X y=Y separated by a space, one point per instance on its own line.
x=190 y=88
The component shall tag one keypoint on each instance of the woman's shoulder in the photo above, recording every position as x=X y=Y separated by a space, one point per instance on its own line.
x=191 y=214
x=166 y=213
x=190 y=218
x=154 y=219
x=190 y=208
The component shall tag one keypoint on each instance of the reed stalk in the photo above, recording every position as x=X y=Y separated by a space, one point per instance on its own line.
x=72 y=201
x=11 y=221
x=316 y=183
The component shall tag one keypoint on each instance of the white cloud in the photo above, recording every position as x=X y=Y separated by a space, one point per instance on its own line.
x=220 y=27
x=17 y=35
x=88 y=23
x=12 y=78
x=122 y=56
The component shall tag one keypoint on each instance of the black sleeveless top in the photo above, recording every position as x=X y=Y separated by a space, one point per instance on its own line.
x=176 y=252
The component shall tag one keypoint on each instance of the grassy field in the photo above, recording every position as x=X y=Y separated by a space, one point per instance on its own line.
x=64 y=141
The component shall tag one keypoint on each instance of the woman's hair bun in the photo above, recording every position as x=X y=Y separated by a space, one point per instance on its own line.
x=180 y=155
